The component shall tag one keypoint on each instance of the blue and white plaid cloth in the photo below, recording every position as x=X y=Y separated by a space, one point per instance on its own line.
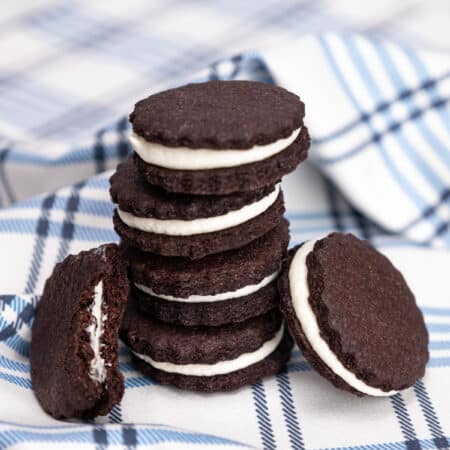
x=379 y=117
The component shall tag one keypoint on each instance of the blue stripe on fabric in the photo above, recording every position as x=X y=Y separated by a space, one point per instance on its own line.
x=427 y=84
x=302 y=366
x=138 y=381
x=126 y=367
x=6 y=330
x=115 y=415
x=429 y=211
x=405 y=422
x=81 y=233
x=385 y=155
x=6 y=300
x=9 y=330
x=435 y=311
x=68 y=227
x=16 y=380
x=432 y=138
x=4 y=179
x=21 y=305
x=376 y=93
x=123 y=146
x=100 y=437
x=365 y=227
x=87 y=205
x=99 y=154
x=314 y=215
x=422 y=72
x=155 y=436
x=289 y=411
x=100 y=182
x=252 y=63
x=439 y=345
x=403 y=181
x=430 y=415
x=129 y=436
x=71 y=157
x=333 y=206
x=14 y=341
x=442 y=230
x=399 y=445
x=263 y=416
x=145 y=436
x=439 y=362
x=376 y=137
x=12 y=364
x=438 y=327
x=41 y=231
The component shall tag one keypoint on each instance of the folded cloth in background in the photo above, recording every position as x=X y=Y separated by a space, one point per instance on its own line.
x=377 y=113
x=379 y=116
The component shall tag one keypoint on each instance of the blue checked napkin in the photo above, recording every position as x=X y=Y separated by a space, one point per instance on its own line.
x=378 y=114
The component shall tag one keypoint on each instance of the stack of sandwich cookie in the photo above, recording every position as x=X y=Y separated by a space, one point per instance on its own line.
x=223 y=288
x=207 y=358
x=186 y=225
x=200 y=215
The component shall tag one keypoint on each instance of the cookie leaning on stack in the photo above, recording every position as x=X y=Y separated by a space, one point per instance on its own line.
x=353 y=316
x=200 y=214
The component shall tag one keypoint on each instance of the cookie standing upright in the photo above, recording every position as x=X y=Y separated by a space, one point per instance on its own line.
x=74 y=347
x=353 y=316
x=219 y=137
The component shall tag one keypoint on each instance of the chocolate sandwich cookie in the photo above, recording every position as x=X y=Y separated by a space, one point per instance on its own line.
x=353 y=316
x=207 y=358
x=190 y=226
x=74 y=346
x=223 y=288
x=218 y=137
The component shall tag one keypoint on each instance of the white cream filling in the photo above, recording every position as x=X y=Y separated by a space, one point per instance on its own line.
x=241 y=292
x=200 y=226
x=184 y=158
x=222 y=367
x=97 y=369
x=298 y=284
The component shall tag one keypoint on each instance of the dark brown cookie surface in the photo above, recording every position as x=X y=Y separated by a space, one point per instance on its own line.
x=61 y=351
x=271 y=365
x=136 y=196
x=247 y=177
x=213 y=274
x=200 y=245
x=190 y=345
x=218 y=313
x=218 y=115
x=366 y=314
